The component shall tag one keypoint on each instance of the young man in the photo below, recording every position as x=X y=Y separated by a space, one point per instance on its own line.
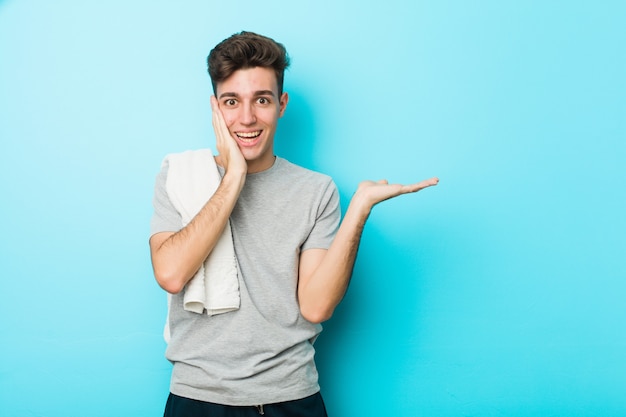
x=294 y=258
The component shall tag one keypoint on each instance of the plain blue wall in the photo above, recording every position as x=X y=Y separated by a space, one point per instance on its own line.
x=498 y=293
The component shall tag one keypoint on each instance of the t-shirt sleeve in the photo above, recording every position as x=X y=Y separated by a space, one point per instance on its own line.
x=327 y=220
x=165 y=217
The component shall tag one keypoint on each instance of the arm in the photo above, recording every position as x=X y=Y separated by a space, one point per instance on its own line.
x=177 y=256
x=324 y=275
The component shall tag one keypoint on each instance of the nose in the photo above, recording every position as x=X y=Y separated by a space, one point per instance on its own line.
x=247 y=116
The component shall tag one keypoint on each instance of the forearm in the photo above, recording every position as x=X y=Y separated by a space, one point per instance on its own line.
x=176 y=257
x=324 y=288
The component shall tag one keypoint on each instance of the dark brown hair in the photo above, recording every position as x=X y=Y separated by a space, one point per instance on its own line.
x=247 y=50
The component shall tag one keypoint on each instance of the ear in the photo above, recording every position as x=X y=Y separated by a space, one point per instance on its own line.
x=284 y=99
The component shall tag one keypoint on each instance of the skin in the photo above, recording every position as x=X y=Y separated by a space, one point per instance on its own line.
x=248 y=104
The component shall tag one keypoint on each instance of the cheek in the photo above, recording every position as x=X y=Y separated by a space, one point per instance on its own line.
x=229 y=118
x=269 y=117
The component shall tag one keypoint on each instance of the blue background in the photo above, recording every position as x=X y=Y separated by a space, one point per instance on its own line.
x=498 y=293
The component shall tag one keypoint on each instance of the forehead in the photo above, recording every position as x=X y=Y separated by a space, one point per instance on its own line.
x=248 y=81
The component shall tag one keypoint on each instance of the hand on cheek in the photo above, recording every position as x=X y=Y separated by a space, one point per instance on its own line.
x=230 y=156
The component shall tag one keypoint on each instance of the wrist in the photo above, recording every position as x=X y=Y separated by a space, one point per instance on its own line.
x=234 y=178
x=359 y=208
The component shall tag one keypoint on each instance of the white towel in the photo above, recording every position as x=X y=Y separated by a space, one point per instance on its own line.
x=192 y=179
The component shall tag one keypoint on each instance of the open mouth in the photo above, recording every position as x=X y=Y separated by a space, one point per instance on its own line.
x=248 y=136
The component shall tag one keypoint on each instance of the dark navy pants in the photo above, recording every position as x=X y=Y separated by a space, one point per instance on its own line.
x=312 y=406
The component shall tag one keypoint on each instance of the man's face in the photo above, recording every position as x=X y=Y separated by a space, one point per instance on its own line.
x=251 y=107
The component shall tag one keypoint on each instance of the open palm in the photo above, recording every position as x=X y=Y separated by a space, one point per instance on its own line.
x=373 y=192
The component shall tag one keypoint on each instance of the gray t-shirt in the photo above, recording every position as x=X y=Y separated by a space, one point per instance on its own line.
x=263 y=352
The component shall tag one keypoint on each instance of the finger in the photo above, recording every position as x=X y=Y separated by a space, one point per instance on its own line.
x=219 y=124
x=217 y=112
x=429 y=182
x=412 y=188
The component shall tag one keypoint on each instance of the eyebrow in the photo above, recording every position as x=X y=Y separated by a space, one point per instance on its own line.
x=256 y=94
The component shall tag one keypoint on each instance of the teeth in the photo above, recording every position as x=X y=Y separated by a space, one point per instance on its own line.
x=248 y=135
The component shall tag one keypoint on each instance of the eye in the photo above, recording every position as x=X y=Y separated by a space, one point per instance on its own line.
x=263 y=100
x=230 y=102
